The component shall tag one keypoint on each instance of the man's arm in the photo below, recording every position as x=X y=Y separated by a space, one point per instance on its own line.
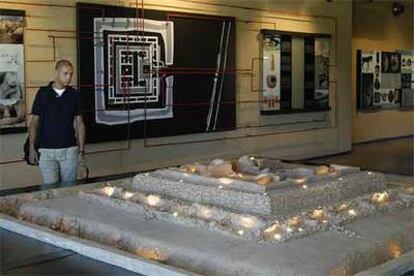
x=33 y=128
x=80 y=133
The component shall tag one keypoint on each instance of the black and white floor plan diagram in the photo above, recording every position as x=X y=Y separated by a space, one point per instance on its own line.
x=127 y=70
x=155 y=74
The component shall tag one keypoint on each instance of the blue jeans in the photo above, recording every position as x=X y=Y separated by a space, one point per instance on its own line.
x=59 y=165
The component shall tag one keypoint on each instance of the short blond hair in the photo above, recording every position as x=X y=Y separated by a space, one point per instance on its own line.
x=63 y=62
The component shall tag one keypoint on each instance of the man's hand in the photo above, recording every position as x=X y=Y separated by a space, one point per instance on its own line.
x=81 y=158
x=33 y=156
x=82 y=168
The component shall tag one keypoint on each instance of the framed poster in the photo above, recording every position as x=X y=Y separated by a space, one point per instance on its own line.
x=294 y=72
x=270 y=71
x=384 y=79
x=12 y=77
x=155 y=73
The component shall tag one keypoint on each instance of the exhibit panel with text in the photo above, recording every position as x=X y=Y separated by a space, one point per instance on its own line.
x=294 y=72
x=385 y=79
x=12 y=72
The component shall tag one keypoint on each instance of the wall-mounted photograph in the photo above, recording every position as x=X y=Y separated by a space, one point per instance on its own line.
x=384 y=79
x=12 y=72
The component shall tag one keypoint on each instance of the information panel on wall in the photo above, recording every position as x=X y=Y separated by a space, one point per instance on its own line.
x=384 y=79
x=271 y=58
x=155 y=73
x=407 y=78
x=12 y=77
x=294 y=72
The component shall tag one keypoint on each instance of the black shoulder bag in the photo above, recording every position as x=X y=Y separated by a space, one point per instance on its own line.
x=26 y=150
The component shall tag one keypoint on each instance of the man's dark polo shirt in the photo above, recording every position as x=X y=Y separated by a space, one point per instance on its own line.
x=56 y=115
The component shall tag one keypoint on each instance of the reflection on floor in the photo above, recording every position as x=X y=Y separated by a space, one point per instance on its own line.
x=391 y=156
x=23 y=256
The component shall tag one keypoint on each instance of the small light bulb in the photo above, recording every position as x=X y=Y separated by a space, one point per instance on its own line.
x=278 y=237
x=300 y=180
x=380 y=197
x=220 y=187
x=270 y=229
x=225 y=180
x=153 y=200
x=240 y=232
x=342 y=207
x=352 y=212
x=305 y=186
x=109 y=190
x=175 y=214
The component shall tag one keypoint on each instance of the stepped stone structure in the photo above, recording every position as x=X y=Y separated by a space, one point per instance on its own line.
x=190 y=217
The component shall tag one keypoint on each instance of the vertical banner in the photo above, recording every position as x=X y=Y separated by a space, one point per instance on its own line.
x=298 y=73
x=407 y=78
x=321 y=92
x=369 y=82
x=390 y=89
x=270 y=84
x=12 y=94
x=286 y=73
x=309 y=72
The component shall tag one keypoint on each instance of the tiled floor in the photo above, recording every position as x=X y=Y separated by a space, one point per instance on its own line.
x=24 y=256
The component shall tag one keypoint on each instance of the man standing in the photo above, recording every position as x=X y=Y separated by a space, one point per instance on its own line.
x=58 y=125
